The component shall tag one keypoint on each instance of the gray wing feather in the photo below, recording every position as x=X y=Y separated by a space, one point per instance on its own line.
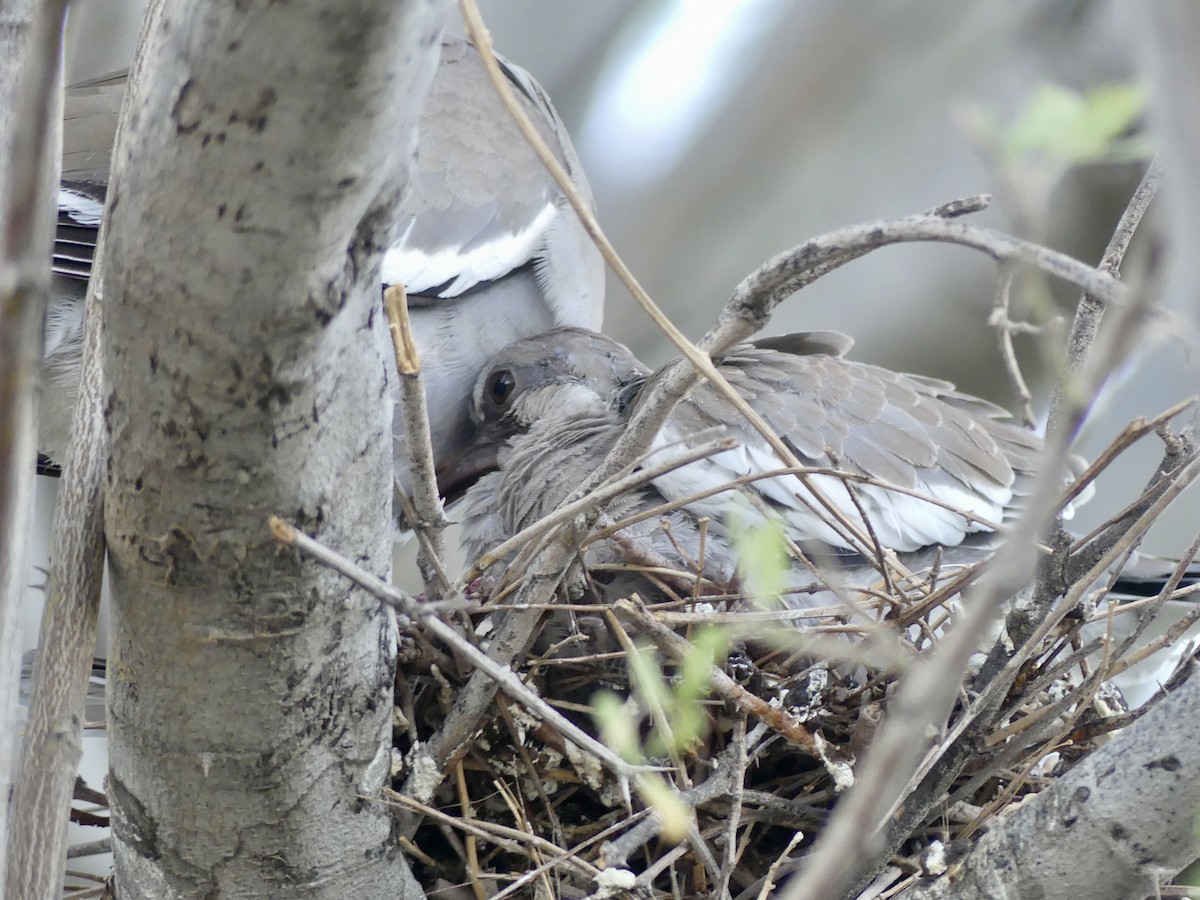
x=915 y=433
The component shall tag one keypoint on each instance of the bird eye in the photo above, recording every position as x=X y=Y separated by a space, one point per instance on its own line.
x=499 y=387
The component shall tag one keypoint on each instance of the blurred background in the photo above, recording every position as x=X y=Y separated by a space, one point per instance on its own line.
x=717 y=134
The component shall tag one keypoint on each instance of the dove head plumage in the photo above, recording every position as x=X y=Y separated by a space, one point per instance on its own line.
x=568 y=374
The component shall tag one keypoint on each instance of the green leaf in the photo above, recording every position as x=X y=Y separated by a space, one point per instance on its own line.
x=673 y=812
x=762 y=555
x=1064 y=125
x=709 y=645
x=648 y=678
x=618 y=726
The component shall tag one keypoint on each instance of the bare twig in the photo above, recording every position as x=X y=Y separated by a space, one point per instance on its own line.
x=509 y=838
x=783 y=860
x=738 y=763
x=1005 y=328
x=433 y=571
x=1090 y=311
x=1164 y=640
x=418 y=446
x=781 y=276
x=91 y=848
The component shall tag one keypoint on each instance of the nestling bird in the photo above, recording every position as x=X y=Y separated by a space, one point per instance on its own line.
x=486 y=244
x=934 y=470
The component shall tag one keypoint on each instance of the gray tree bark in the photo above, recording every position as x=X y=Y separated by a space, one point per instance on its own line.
x=1115 y=826
x=251 y=692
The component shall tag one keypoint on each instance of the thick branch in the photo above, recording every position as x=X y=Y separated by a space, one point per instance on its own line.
x=1112 y=827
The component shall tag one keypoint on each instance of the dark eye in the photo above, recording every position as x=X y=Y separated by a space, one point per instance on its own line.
x=499 y=387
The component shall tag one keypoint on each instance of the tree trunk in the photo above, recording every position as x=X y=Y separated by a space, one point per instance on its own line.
x=250 y=692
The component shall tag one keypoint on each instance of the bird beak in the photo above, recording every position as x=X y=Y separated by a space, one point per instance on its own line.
x=481 y=455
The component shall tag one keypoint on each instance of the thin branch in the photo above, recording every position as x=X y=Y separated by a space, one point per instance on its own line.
x=434 y=577
x=738 y=764
x=1090 y=311
x=418 y=445
x=511 y=839
x=1005 y=329
x=34 y=849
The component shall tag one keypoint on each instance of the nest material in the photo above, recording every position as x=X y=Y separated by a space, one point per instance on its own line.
x=525 y=814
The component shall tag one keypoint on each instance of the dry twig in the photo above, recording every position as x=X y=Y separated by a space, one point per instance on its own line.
x=418 y=446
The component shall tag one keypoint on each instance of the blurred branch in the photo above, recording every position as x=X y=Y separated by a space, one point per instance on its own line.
x=853 y=845
x=30 y=45
x=1090 y=311
x=1166 y=33
x=53 y=738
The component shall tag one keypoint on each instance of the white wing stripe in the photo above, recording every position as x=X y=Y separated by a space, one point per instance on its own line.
x=419 y=270
x=82 y=209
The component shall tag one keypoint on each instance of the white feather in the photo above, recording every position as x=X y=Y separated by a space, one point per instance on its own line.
x=82 y=209
x=419 y=270
x=901 y=522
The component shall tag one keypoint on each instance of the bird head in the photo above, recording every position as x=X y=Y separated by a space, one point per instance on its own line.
x=565 y=373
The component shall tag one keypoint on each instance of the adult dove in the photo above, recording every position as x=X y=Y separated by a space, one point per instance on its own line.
x=486 y=244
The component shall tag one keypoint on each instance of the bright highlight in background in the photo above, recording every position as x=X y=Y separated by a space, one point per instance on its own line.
x=651 y=107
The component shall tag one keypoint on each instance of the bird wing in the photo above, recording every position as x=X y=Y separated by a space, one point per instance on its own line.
x=481 y=204
x=487 y=203
x=89 y=129
x=917 y=434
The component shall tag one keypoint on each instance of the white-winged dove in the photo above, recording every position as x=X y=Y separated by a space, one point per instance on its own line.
x=487 y=246
x=549 y=408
